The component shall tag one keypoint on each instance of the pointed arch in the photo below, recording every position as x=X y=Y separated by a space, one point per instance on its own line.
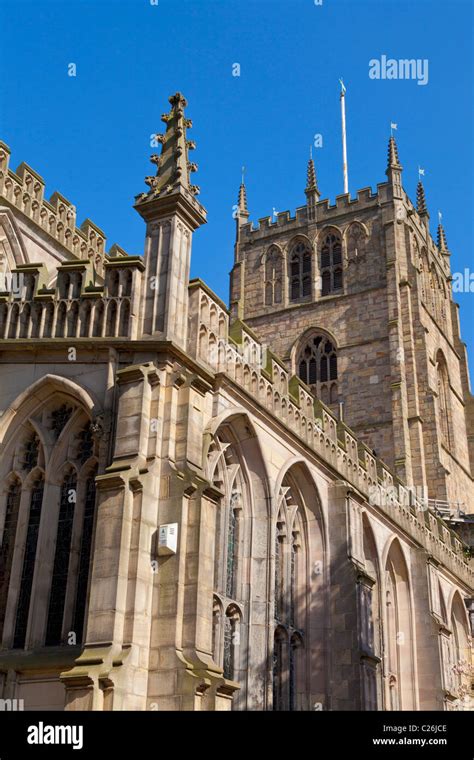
x=53 y=410
x=399 y=630
x=72 y=320
x=12 y=248
x=356 y=236
x=235 y=466
x=98 y=326
x=61 y=319
x=300 y=269
x=370 y=620
x=111 y=325
x=315 y=362
x=28 y=566
x=124 y=323
x=300 y=574
x=330 y=260
x=59 y=578
x=7 y=541
x=273 y=275
x=14 y=321
x=34 y=396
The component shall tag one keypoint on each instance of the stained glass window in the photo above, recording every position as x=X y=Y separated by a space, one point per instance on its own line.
x=61 y=561
x=292 y=583
x=60 y=418
x=278 y=578
x=228 y=665
x=7 y=546
x=278 y=703
x=31 y=453
x=84 y=559
x=292 y=676
x=317 y=365
x=29 y=558
x=86 y=444
x=293 y=654
x=231 y=552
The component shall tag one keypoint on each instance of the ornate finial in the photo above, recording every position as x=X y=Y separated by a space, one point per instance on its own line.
x=173 y=165
x=442 y=242
x=311 y=184
x=421 y=199
x=242 y=200
x=393 y=161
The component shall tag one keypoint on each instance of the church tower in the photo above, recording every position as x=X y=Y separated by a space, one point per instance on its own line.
x=356 y=297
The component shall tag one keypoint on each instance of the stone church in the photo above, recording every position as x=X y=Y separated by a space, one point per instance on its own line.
x=251 y=507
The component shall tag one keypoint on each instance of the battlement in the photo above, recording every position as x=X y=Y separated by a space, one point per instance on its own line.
x=75 y=306
x=24 y=190
x=234 y=351
x=325 y=211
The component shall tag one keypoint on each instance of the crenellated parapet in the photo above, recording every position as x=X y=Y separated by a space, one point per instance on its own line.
x=74 y=305
x=24 y=189
x=234 y=351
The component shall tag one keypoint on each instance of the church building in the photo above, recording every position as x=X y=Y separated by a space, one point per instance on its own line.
x=265 y=505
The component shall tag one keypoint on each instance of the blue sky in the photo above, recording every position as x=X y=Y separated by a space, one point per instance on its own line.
x=89 y=135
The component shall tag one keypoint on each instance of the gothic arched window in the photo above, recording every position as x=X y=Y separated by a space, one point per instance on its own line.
x=86 y=444
x=232 y=546
x=31 y=453
x=48 y=518
x=29 y=558
x=278 y=576
x=317 y=367
x=331 y=264
x=84 y=557
x=59 y=578
x=288 y=593
x=226 y=473
x=59 y=419
x=7 y=545
x=273 y=276
x=398 y=632
x=300 y=270
x=279 y=647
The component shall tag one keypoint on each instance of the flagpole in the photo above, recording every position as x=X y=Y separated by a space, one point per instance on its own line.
x=344 y=144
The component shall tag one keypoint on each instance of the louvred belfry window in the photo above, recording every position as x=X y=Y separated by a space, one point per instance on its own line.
x=300 y=272
x=331 y=265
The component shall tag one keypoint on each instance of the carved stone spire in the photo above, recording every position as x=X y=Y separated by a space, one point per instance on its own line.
x=311 y=190
x=394 y=169
x=442 y=242
x=421 y=199
x=393 y=161
x=172 y=213
x=242 y=201
x=311 y=181
x=173 y=168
